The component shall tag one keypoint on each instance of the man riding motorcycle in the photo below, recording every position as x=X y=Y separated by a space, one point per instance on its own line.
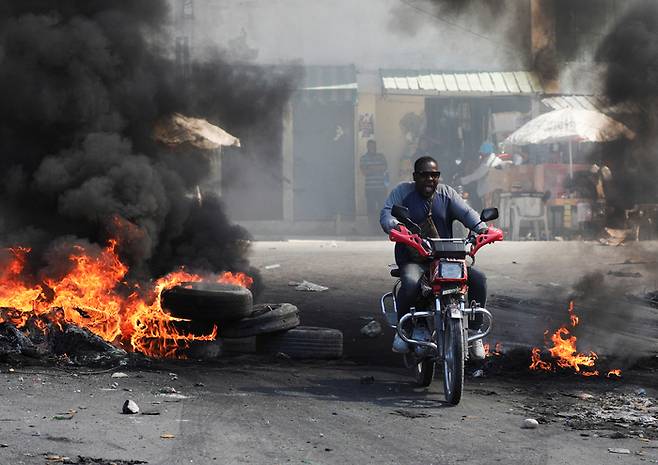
x=433 y=207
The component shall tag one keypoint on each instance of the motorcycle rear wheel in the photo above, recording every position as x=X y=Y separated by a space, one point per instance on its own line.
x=424 y=371
x=453 y=361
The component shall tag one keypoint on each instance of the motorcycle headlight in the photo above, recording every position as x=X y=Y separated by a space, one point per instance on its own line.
x=451 y=270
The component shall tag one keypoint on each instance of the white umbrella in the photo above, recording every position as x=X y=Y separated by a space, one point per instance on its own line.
x=570 y=125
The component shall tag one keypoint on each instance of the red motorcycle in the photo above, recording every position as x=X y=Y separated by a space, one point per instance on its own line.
x=442 y=306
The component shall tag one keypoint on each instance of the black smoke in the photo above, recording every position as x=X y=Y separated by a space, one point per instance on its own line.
x=81 y=85
x=630 y=54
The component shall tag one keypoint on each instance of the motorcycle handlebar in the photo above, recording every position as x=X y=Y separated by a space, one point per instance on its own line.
x=403 y=235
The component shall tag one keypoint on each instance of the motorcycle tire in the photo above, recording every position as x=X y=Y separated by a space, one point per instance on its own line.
x=265 y=318
x=453 y=361
x=210 y=302
x=303 y=342
x=424 y=372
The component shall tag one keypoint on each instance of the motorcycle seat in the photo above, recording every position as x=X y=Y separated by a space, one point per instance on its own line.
x=395 y=272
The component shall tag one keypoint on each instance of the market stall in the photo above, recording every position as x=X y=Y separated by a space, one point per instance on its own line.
x=542 y=195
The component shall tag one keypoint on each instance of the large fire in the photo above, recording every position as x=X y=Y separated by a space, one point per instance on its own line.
x=94 y=294
x=565 y=354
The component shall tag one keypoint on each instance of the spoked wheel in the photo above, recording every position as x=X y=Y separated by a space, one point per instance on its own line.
x=453 y=364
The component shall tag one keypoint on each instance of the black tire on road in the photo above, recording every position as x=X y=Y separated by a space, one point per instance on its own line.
x=303 y=342
x=211 y=302
x=265 y=318
x=424 y=372
x=453 y=364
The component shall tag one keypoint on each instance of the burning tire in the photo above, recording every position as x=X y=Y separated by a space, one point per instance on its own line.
x=210 y=302
x=303 y=342
x=265 y=318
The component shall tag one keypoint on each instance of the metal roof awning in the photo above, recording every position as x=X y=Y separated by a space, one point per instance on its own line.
x=326 y=84
x=588 y=102
x=471 y=84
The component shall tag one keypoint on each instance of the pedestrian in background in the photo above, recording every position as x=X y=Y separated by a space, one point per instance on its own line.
x=375 y=170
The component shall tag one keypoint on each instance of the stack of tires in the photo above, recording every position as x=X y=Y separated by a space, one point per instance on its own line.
x=243 y=326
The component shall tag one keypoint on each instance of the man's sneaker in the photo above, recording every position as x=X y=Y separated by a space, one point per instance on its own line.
x=476 y=350
x=399 y=346
x=421 y=333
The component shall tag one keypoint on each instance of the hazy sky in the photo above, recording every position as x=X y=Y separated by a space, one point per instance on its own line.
x=370 y=33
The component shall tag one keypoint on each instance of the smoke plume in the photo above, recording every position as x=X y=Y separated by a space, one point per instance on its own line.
x=630 y=52
x=500 y=24
x=82 y=84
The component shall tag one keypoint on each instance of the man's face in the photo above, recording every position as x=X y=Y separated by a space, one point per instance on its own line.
x=427 y=178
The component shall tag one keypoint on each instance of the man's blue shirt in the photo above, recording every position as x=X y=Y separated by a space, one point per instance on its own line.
x=447 y=206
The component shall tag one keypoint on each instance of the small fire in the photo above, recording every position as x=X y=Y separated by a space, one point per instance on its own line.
x=614 y=373
x=565 y=353
x=94 y=294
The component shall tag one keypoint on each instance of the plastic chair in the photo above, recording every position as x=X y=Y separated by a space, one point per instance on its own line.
x=531 y=210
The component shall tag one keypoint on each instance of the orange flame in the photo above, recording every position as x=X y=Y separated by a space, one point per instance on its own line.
x=94 y=294
x=564 y=351
x=616 y=373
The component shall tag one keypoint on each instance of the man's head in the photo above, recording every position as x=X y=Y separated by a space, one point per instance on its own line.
x=426 y=176
x=371 y=146
x=486 y=149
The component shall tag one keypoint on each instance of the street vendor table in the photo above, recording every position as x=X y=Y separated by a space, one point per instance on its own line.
x=569 y=214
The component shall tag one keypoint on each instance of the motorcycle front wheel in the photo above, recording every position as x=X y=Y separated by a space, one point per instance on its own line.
x=453 y=361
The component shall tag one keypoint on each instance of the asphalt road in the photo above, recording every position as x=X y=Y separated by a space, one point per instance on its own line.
x=364 y=410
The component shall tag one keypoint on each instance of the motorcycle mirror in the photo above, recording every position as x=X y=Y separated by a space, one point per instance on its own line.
x=400 y=213
x=489 y=214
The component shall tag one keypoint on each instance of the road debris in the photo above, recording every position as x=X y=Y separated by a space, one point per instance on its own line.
x=410 y=413
x=625 y=274
x=119 y=374
x=529 y=423
x=57 y=458
x=307 y=286
x=619 y=414
x=130 y=407
x=272 y=267
x=167 y=436
x=372 y=329
x=614 y=450
x=65 y=416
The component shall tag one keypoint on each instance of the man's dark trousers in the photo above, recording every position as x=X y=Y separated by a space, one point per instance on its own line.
x=410 y=275
x=375 y=198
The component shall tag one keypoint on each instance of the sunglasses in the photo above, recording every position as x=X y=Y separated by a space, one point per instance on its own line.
x=429 y=174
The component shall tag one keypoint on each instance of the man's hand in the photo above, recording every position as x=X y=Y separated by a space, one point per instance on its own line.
x=481 y=228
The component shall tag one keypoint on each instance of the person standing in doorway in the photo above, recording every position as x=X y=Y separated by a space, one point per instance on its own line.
x=374 y=168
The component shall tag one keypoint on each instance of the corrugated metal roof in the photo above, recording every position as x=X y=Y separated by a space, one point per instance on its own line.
x=328 y=84
x=588 y=102
x=424 y=82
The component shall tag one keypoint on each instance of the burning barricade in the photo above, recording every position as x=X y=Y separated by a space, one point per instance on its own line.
x=95 y=296
x=564 y=352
